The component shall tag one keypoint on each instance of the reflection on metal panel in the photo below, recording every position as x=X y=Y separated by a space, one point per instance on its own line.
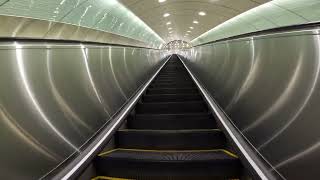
x=87 y=19
x=21 y=27
x=54 y=97
x=269 y=87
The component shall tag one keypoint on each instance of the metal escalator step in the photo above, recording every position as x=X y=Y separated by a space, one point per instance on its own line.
x=171 y=98
x=145 y=164
x=172 y=81
x=172 y=90
x=175 y=86
x=172 y=85
x=171 y=139
x=172 y=107
x=172 y=121
x=173 y=75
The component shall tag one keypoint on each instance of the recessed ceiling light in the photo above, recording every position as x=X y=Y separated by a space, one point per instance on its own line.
x=169 y=28
x=166 y=15
x=168 y=23
x=189 y=31
x=170 y=32
x=161 y=1
x=195 y=22
x=202 y=13
x=191 y=27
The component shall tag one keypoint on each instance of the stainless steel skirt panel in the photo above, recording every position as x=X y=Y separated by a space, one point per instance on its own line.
x=269 y=86
x=54 y=97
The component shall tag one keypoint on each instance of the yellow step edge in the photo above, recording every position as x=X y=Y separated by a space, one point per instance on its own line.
x=168 y=151
x=108 y=178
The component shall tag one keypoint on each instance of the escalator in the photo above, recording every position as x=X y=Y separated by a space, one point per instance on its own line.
x=170 y=135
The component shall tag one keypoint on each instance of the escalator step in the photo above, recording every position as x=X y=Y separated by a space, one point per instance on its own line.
x=171 y=98
x=171 y=139
x=172 y=90
x=172 y=107
x=172 y=85
x=144 y=164
x=174 y=77
x=171 y=81
x=172 y=121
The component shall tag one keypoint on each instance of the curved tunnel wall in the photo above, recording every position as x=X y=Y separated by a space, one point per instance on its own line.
x=68 y=19
x=273 y=14
x=54 y=97
x=269 y=87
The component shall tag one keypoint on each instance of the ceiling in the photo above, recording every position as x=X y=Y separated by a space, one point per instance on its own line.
x=184 y=12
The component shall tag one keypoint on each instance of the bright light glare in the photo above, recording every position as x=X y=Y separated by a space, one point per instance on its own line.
x=202 y=13
x=166 y=15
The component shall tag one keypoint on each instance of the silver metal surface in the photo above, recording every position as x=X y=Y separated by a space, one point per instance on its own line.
x=106 y=135
x=268 y=85
x=54 y=97
x=22 y=27
x=237 y=139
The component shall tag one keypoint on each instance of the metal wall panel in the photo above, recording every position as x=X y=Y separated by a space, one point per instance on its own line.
x=22 y=27
x=269 y=86
x=54 y=97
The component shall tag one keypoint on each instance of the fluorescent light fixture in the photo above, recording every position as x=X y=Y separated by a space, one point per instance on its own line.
x=168 y=23
x=161 y=1
x=202 y=13
x=166 y=15
x=195 y=22
x=191 y=27
x=189 y=31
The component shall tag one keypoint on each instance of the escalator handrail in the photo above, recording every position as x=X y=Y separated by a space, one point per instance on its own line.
x=74 y=168
x=256 y=165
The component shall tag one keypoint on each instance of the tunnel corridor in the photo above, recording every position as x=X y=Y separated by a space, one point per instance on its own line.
x=159 y=89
